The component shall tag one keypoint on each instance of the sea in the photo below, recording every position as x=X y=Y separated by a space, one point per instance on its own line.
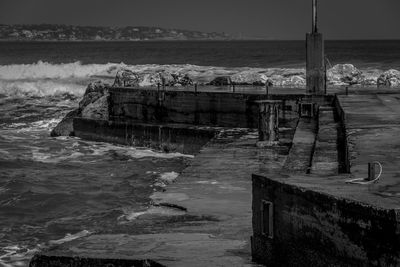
x=57 y=189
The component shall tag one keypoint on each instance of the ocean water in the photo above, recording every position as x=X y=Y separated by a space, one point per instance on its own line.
x=57 y=189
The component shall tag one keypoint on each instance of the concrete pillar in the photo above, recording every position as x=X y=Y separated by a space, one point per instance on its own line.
x=315 y=66
x=268 y=126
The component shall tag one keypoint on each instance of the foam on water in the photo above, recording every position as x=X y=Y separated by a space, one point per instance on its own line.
x=45 y=70
x=14 y=255
x=130 y=215
x=40 y=88
x=165 y=179
x=70 y=237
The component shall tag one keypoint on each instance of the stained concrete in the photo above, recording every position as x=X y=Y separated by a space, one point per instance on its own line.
x=325 y=160
x=319 y=220
x=215 y=187
x=300 y=155
x=373 y=130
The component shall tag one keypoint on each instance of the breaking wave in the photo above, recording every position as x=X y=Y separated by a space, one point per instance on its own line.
x=45 y=70
x=40 y=88
x=43 y=78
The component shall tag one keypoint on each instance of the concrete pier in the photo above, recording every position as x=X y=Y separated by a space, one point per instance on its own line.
x=322 y=219
x=299 y=208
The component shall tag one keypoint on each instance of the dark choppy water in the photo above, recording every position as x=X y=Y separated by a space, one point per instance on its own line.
x=56 y=189
x=382 y=54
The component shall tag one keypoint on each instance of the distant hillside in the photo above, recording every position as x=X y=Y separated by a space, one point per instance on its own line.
x=51 y=32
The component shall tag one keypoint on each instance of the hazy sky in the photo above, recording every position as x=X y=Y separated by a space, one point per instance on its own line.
x=275 y=19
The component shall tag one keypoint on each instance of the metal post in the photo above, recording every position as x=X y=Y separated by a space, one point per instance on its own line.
x=195 y=87
x=325 y=83
x=267 y=90
x=347 y=90
x=233 y=87
x=315 y=18
x=371 y=171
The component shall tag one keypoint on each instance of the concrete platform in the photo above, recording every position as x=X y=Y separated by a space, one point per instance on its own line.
x=318 y=219
x=216 y=189
x=373 y=134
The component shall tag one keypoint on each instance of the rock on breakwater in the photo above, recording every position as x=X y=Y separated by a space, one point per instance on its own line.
x=94 y=105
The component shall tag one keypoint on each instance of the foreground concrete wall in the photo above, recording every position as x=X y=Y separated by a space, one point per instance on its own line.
x=60 y=261
x=315 y=229
x=170 y=138
x=201 y=108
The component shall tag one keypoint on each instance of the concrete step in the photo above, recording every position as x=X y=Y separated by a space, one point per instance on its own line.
x=299 y=158
x=325 y=159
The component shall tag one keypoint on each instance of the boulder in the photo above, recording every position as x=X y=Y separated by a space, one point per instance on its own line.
x=222 y=80
x=342 y=74
x=126 y=78
x=249 y=78
x=169 y=79
x=94 y=105
x=93 y=92
x=181 y=79
x=389 y=78
x=97 y=110
x=65 y=126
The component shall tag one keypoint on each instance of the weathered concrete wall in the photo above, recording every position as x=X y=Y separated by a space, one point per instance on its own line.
x=315 y=229
x=344 y=145
x=325 y=160
x=170 y=138
x=60 y=261
x=201 y=108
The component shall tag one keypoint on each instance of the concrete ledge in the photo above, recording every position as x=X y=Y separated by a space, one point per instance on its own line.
x=168 y=137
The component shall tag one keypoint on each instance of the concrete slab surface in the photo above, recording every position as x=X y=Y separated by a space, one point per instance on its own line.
x=215 y=189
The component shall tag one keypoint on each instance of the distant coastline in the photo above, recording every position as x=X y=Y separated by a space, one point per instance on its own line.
x=69 y=33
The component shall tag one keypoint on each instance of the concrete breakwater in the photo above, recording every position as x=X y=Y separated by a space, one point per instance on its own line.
x=298 y=209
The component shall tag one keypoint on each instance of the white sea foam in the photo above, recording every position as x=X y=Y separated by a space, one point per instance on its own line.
x=70 y=237
x=100 y=149
x=130 y=215
x=94 y=151
x=45 y=70
x=46 y=124
x=15 y=255
x=166 y=178
x=40 y=88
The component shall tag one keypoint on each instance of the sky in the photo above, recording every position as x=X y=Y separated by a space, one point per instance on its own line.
x=271 y=19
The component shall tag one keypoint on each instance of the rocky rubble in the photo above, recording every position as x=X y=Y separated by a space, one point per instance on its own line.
x=389 y=78
x=128 y=78
x=344 y=74
x=338 y=75
x=94 y=105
